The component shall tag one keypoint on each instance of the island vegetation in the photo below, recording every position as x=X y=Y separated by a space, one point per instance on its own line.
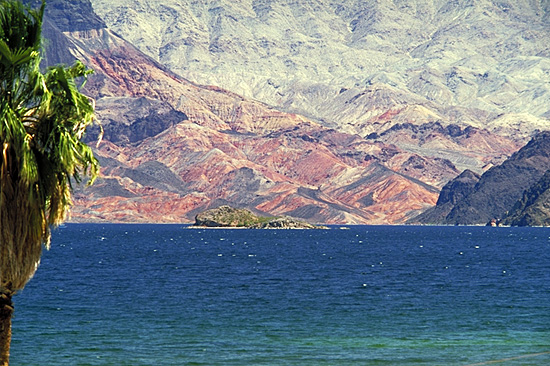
x=226 y=216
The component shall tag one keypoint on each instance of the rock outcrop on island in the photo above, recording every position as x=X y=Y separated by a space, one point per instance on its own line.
x=226 y=216
x=514 y=191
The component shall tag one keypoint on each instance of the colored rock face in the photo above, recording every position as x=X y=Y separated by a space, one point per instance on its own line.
x=173 y=148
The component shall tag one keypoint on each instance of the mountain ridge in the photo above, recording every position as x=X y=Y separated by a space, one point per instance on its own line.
x=346 y=64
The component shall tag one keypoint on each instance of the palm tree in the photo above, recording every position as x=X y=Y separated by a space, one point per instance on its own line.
x=42 y=120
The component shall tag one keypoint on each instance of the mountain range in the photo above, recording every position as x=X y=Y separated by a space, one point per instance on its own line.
x=174 y=147
x=347 y=63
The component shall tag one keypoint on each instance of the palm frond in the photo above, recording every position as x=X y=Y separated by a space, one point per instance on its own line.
x=42 y=120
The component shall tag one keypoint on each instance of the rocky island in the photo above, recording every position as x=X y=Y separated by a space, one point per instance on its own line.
x=226 y=216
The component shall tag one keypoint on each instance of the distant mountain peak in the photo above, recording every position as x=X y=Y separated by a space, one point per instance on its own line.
x=71 y=16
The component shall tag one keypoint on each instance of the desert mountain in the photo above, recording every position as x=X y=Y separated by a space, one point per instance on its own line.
x=360 y=66
x=510 y=191
x=173 y=148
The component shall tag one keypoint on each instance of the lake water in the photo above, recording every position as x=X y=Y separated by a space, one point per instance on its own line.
x=171 y=295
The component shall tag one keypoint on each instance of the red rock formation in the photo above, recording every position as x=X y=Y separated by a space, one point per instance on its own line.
x=231 y=150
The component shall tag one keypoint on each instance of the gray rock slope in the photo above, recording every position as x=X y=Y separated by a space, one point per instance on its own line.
x=533 y=209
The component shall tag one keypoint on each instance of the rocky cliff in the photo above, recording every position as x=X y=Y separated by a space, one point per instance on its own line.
x=533 y=209
x=451 y=194
x=470 y=199
x=173 y=148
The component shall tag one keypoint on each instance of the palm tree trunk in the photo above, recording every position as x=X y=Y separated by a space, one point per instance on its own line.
x=6 y=311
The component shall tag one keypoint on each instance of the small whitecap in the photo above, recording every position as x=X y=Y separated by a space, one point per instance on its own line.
x=220 y=255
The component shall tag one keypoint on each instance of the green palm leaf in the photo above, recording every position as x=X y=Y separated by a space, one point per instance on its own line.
x=43 y=117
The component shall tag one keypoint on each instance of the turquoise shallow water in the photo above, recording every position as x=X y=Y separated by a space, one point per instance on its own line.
x=170 y=295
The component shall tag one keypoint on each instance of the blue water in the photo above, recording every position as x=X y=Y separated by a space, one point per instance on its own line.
x=170 y=295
